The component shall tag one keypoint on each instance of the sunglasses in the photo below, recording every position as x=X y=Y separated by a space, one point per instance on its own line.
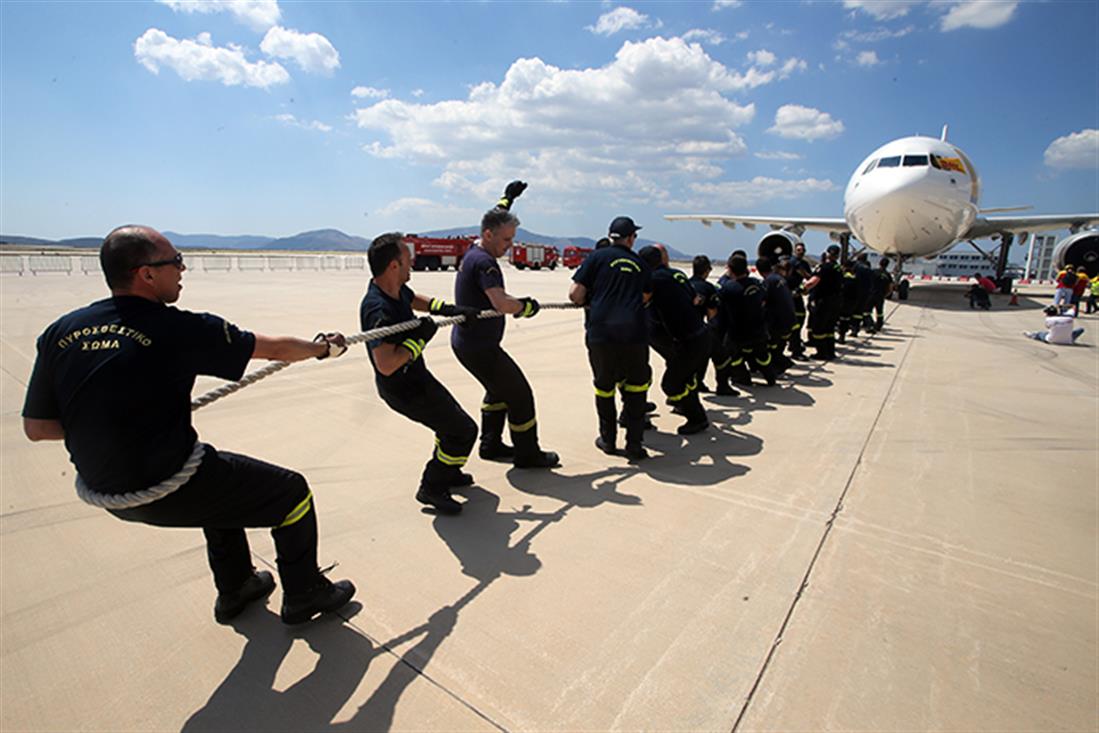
x=177 y=261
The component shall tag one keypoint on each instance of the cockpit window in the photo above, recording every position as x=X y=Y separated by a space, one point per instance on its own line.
x=935 y=161
x=915 y=161
x=870 y=167
x=891 y=162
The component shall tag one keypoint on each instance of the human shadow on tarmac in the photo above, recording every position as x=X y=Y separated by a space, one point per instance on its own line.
x=247 y=698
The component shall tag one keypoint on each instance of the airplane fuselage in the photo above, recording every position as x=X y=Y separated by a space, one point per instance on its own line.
x=915 y=197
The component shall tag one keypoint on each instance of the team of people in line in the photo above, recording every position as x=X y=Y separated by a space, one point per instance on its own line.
x=113 y=380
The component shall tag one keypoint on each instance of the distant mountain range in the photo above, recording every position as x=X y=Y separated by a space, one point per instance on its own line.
x=328 y=240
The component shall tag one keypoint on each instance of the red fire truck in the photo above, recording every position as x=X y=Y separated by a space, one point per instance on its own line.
x=534 y=256
x=437 y=253
x=572 y=257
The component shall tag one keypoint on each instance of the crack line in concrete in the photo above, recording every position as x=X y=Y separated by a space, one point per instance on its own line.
x=827 y=528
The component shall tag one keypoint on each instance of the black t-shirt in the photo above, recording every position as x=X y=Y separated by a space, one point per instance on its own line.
x=479 y=272
x=118 y=375
x=831 y=281
x=864 y=279
x=707 y=290
x=616 y=280
x=672 y=305
x=742 y=310
x=377 y=310
x=778 y=305
x=799 y=273
x=880 y=284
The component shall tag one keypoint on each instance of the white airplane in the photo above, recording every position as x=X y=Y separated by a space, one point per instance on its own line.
x=917 y=197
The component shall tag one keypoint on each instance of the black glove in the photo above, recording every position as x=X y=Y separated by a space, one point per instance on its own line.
x=425 y=331
x=337 y=344
x=440 y=307
x=513 y=191
x=529 y=308
x=416 y=339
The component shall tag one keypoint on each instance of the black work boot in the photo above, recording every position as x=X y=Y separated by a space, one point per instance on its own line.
x=460 y=479
x=724 y=389
x=323 y=596
x=230 y=605
x=696 y=416
x=607 y=446
x=528 y=454
x=438 y=497
x=492 y=446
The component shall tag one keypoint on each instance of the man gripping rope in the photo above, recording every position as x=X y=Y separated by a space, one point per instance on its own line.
x=743 y=323
x=825 y=290
x=617 y=284
x=404 y=382
x=673 y=313
x=798 y=272
x=508 y=396
x=114 y=379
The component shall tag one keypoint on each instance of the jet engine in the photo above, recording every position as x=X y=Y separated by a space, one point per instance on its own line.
x=777 y=243
x=1080 y=249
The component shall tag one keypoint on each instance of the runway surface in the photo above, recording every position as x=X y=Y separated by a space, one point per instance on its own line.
x=905 y=539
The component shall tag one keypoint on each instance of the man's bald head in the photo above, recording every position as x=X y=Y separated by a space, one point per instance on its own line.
x=664 y=259
x=124 y=250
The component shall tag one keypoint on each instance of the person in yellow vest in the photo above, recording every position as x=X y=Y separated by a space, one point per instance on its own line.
x=1093 y=295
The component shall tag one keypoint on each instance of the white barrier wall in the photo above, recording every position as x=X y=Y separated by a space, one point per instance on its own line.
x=41 y=264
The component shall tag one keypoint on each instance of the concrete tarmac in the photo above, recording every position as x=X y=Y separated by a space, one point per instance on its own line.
x=905 y=539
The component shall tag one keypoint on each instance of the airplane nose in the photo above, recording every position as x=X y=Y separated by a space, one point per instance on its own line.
x=907 y=210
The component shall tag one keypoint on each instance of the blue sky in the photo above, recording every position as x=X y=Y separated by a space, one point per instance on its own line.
x=278 y=117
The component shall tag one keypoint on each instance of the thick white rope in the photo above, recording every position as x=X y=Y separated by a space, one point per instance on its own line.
x=144 y=496
x=374 y=333
x=173 y=483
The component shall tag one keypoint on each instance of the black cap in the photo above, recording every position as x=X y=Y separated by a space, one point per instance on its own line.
x=623 y=226
x=833 y=248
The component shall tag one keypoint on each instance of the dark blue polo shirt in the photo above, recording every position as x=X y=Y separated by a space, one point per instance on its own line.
x=707 y=290
x=479 y=272
x=672 y=304
x=778 y=305
x=742 y=310
x=377 y=310
x=831 y=281
x=616 y=280
x=118 y=375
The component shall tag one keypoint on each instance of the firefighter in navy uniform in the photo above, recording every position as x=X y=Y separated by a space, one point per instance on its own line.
x=864 y=287
x=508 y=396
x=114 y=379
x=825 y=289
x=798 y=272
x=743 y=323
x=673 y=312
x=403 y=380
x=881 y=287
x=616 y=284
x=848 y=319
x=706 y=301
x=778 y=311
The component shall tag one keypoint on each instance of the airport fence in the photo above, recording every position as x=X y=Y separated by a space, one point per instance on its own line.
x=55 y=263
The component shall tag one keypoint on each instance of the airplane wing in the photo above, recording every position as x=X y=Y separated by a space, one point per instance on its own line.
x=796 y=224
x=986 y=226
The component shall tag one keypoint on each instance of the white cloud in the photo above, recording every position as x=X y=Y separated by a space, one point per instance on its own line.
x=804 y=123
x=427 y=214
x=761 y=188
x=651 y=120
x=369 y=93
x=259 y=15
x=722 y=4
x=311 y=51
x=867 y=58
x=199 y=59
x=790 y=66
x=777 y=155
x=417 y=93
x=288 y=119
x=1076 y=150
x=620 y=19
x=881 y=9
x=762 y=57
x=709 y=36
x=874 y=36
x=742 y=36
x=981 y=14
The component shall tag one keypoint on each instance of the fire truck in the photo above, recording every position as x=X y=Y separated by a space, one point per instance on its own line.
x=572 y=256
x=534 y=256
x=437 y=253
